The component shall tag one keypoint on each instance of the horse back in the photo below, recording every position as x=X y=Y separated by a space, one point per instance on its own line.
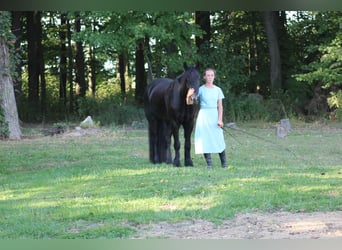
x=156 y=97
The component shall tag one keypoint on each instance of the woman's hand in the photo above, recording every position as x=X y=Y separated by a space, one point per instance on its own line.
x=191 y=91
x=220 y=123
x=188 y=100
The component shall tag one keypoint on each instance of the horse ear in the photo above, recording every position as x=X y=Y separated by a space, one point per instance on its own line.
x=185 y=65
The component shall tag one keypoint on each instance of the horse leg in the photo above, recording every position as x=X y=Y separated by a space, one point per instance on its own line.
x=167 y=146
x=187 y=144
x=162 y=142
x=153 y=141
x=176 y=145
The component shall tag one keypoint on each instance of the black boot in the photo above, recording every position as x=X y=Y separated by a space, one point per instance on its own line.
x=207 y=158
x=223 y=159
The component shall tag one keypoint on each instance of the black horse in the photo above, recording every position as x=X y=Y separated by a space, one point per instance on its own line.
x=166 y=110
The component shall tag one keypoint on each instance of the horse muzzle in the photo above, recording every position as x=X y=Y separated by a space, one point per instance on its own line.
x=193 y=99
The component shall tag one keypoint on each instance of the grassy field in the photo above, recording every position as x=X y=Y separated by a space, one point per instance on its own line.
x=102 y=185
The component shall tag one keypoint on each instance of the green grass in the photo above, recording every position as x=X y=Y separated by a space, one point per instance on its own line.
x=102 y=186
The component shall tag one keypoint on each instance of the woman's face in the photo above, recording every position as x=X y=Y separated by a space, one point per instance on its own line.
x=209 y=76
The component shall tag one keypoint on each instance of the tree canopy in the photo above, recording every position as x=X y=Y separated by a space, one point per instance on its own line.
x=99 y=62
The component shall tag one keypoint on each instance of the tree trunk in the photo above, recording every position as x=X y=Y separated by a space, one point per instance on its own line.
x=122 y=70
x=41 y=65
x=148 y=54
x=271 y=24
x=70 y=68
x=287 y=49
x=63 y=61
x=253 y=60
x=140 y=78
x=81 y=87
x=91 y=70
x=33 y=65
x=7 y=99
x=202 y=18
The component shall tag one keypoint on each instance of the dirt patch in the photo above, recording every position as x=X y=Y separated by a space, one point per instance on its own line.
x=281 y=225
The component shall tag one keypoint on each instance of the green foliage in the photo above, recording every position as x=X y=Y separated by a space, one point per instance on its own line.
x=5 y=26
x=326 y=35
x=120 y=32
x=109 y=107
x=335 y=102
x=254 y=107
x=244 y=108
x=109 y=111
x=8 y=38
x=238 y=50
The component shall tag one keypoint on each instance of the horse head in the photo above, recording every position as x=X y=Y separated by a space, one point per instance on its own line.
x=191 y=78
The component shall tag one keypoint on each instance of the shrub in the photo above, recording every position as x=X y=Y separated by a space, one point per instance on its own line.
x=110 y=110
x=335 y=102
x=245 y=108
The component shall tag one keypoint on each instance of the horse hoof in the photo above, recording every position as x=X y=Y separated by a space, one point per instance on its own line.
x=176 y=163
x=189 y=163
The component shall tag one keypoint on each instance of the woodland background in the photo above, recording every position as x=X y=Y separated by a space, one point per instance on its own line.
x=65 y=66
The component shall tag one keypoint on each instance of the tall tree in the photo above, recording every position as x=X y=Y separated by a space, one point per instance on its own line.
x=36 y=68
x=70 y=66
x=91 y=69
x=41 y=65
x=140 y=76
x=122 y=62
x=7 y=98
x=33 y=64
x=63 y=60
x=271 y=21
x=253 y=84
x=202 y=18
x=91 y=23
x=81 y=87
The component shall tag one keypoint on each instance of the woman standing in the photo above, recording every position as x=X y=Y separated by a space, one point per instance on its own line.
x=209 y=136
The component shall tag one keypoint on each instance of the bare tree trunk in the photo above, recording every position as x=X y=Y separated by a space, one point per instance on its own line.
x=81 y=87
x=122 y=71
x=91 y=71
x=271 y=24
x=70 y=68
x=253 y=56
x=202 y=18
x=33 y=65
x=7 y=99
x=41 y=65
x=140 y=78
x=63 y=62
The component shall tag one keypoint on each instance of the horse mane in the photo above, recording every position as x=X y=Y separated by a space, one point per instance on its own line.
x=182 y=77
x=179 y=77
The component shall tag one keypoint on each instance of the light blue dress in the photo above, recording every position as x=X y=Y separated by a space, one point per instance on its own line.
x=209 y=136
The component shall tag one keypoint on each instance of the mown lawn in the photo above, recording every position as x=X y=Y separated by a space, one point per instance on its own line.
x=102 y=185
